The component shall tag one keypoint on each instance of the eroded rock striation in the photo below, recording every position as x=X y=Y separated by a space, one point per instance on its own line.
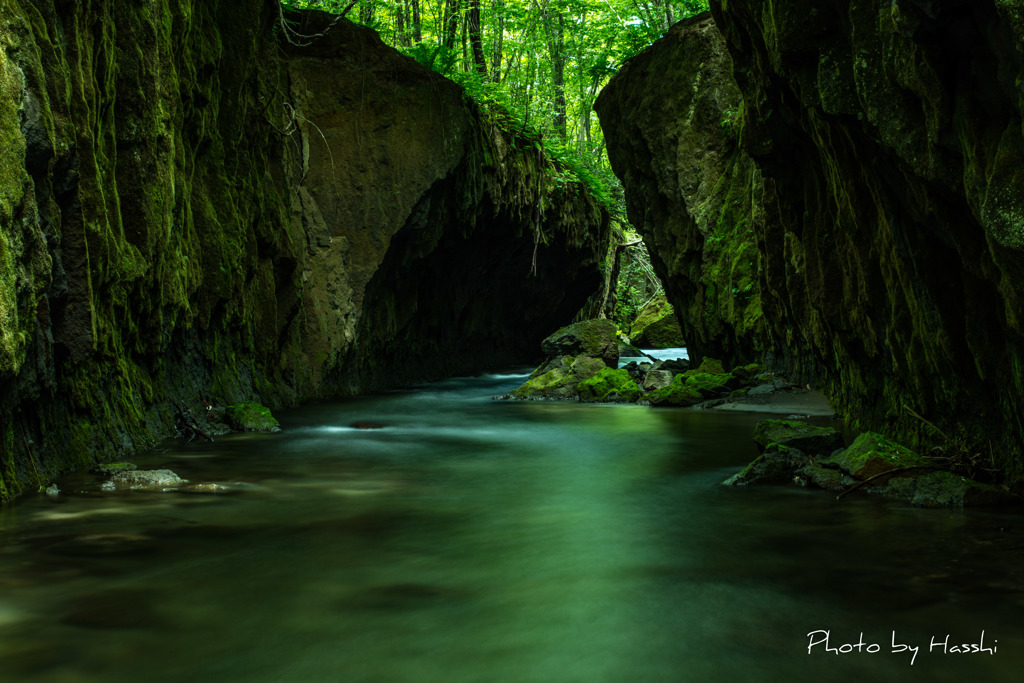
x=192 y=206
x=868 y=157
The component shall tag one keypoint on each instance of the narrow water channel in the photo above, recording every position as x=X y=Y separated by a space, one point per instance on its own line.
x=466 y=539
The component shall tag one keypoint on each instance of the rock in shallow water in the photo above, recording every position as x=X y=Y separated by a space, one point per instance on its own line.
x=795 y=434
x=777 y=464
x=145 y=480
x=593 y=338
x=252 y=417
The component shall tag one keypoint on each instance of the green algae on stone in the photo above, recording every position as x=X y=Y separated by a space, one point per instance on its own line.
x=252 y=417
x=796 y=434
x=872 y=454
x=609 y=385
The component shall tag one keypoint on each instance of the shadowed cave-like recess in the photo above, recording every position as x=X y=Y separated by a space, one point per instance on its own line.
x=193 y=208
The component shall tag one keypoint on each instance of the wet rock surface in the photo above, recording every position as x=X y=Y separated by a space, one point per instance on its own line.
x=872 y=464
x=843 y=190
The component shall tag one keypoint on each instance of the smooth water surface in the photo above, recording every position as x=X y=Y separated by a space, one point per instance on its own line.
x=466 y=539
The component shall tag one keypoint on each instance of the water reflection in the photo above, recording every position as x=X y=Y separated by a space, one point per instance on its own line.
x=463 y=539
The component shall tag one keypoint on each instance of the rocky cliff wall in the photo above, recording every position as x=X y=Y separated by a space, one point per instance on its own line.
x=193 y=207
x=670 y=118
x=887 y=219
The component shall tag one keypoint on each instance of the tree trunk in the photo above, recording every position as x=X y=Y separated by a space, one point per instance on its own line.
x=451 y=23
x=417 y=26
x=401 y=37
x=498 y=10
x=556 y=49
x=476 y=37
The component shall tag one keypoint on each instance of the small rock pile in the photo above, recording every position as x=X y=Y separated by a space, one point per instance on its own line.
x=806 y=455
x=582 y=364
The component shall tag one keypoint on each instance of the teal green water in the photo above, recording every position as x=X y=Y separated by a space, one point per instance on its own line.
x=477 y=540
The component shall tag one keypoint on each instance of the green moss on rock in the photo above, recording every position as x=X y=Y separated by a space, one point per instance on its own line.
x=676 y=394
x=777 y=464
x=872 y=454
x=593 y=338
x=609 y=385
x=796 y=434
x=656 y=326
x=252 y=417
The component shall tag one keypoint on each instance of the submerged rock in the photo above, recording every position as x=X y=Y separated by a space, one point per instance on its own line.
x=145 y=480
x=110 y=468
x=945 y=489
x=796 y=434
x=252 y=417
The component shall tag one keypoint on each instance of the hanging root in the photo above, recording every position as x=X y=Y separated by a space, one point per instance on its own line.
x=301 y=40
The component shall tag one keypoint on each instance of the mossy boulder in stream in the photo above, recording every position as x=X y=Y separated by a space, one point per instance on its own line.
x=777 y=464
x=593 y=338
x=252 y=417
x=609 y=386
x=677 y=394
x=797 y=434
x=559 y=379
x=656 y=326
x=946 y=489
x=871 y=454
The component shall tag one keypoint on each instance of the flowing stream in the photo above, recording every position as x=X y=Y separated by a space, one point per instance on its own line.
x=465 y=539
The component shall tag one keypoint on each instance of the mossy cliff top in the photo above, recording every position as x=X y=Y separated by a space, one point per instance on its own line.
x=870 y=161
x=191 y=207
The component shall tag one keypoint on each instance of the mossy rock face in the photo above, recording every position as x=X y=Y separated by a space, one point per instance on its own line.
x=561 y=381
x=872 y=454
x=593 y=338
x=796 y=434
x=252 y=417
x=840 y=250
x=776 y=465
x=677 y=394
x=656 y=326
x=614 y=386
x=629 y=351
x=161 y=242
